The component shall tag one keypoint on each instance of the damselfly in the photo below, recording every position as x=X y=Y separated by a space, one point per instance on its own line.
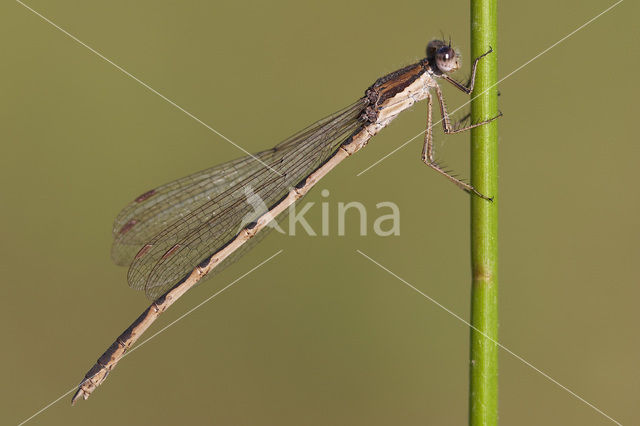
x=175 y=235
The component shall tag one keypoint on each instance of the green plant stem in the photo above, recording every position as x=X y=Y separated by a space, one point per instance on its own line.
x=483 y=386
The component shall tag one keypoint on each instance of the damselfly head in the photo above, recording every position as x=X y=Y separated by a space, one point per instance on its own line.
x=443 y=56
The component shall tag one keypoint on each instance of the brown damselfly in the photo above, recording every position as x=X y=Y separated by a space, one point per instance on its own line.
x=176 y=234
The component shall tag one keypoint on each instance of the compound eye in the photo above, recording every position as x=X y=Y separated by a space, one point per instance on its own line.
x=446 y=59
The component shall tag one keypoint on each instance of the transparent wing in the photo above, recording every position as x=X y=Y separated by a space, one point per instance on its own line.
x=167 y=231
x=158 y=208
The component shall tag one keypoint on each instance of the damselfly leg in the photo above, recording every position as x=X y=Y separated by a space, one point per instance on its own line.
x=427 y=150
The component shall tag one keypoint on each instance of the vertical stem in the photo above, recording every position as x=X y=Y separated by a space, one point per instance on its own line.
x=483 y=387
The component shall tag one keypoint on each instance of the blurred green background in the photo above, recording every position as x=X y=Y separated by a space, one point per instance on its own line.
x=319 y=335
